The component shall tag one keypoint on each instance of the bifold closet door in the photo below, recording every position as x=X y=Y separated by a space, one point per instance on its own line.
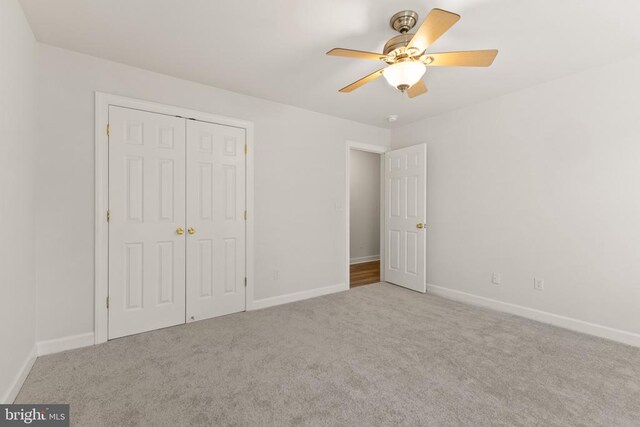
x=147 y=218
x=215 y=220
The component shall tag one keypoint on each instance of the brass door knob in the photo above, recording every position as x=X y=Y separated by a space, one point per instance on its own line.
x=420 y=225
x=191 y=230
x=179 y=231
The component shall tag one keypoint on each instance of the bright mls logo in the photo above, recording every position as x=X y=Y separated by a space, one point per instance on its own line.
x=34 y=415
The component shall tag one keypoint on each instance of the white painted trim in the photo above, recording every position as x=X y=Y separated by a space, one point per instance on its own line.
x=601 y=331
x=296 y=296
x=43 y=348
x=101 y=251
x=249 y=225
x=102 y=103
x=11 y=394
x=364 y=259
x=371 y=148
x=65 y=343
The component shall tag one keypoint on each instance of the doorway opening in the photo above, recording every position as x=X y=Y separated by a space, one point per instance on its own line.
x=402 y=207
x=365 y=220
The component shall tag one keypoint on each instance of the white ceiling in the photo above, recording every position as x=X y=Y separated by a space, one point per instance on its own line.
x=275 y=49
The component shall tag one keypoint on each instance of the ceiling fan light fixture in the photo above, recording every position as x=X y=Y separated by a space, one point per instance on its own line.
x=406 y=56
x=403 y=75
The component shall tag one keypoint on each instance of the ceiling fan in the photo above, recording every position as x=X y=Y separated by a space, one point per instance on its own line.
x=406 y=54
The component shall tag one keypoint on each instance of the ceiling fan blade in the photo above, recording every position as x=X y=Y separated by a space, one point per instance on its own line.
x=435 y=24
x=417 y=89
x=355 y=85
x=358 y=54
x=472 y=58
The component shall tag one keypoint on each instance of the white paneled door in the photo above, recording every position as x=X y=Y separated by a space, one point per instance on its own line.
x=177 y=221
x=216 y=220
x=147 y=210
x=405 y=215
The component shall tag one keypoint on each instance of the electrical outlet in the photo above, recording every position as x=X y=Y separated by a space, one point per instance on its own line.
x=276 y=274
x=538 y=284
x=496 y=279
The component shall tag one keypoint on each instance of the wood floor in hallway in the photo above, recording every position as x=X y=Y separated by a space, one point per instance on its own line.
x=365 y=273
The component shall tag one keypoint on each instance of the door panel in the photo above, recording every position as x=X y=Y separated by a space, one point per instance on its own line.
x=215 y=212
x=405 y=210
x=146 y=205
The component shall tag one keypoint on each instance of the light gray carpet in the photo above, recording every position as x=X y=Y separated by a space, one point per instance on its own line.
x=375 y=355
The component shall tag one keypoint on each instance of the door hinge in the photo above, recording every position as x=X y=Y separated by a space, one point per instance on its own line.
x=107 y=129
x=108 y=215
x=107 y=302
x=245 y=282
x=246 y=148
x=245 y=215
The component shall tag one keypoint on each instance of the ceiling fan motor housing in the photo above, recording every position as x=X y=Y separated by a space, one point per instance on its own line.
x=397 y=42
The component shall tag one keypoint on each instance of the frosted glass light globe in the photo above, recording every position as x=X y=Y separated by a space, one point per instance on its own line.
x=403 y=75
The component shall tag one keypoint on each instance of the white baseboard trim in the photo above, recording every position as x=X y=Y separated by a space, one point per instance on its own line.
x=296 y=296
x=625 y=337
x=42 y=348
x=11 y=394
x=66 y=343
x=364 y=259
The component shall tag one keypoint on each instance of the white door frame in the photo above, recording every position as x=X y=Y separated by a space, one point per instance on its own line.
x=370 y=148
x=101 y=259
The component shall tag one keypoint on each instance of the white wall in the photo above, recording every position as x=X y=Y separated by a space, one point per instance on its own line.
x=18 y=52
x=364 y=205
x=542 y=182
x=299 y=183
